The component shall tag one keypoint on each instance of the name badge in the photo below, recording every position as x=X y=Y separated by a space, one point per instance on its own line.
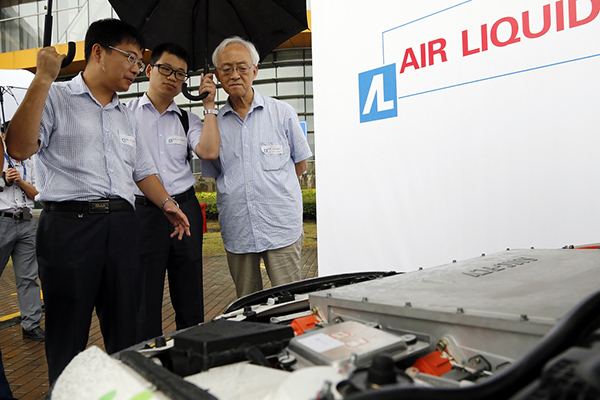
x=272 y=149
x=128 y=140
x=180 y=140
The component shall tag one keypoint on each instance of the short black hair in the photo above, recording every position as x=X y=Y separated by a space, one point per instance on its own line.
x=111 y=32
x=171 y=48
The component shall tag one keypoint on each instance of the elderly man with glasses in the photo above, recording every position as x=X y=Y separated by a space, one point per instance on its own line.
x=90 y=157
x=263 y=152
x=171 y=134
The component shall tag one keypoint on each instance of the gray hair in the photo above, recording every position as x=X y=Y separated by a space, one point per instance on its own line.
x=236 y=40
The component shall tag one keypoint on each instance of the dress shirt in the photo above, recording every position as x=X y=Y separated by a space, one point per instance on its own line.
x=167 y=141
x=13 y=198
x=258 y=193
x=87 y=151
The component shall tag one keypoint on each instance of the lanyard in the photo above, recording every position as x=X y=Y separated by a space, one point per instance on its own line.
x=11 y=165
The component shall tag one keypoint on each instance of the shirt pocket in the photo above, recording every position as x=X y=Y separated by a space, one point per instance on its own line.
x=127 y=148
x=274 y=156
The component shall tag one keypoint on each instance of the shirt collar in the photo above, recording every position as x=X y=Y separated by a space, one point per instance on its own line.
x=258 y=101
x=78 y=87
x=146 y=102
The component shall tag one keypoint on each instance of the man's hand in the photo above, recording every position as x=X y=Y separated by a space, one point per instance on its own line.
x=12 y=175
x=208 y=85
x=178 y=219
x=48 y=63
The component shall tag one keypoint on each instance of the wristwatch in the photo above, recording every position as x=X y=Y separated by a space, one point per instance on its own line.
x=162 y=206
x=215 y=112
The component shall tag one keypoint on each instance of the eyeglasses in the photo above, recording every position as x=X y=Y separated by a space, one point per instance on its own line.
x=131 y=57
x=167 y=71
x=228 y=69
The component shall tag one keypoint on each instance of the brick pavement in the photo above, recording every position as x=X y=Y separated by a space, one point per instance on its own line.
x=25 y=360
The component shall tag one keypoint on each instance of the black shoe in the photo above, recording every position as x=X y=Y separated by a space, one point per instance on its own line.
x=35 y=334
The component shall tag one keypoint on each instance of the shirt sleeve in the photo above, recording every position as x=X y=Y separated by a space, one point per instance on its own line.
x=48 y=118
x=211 y=169
x=299 y=148
x=144 y=165
x=193 y=136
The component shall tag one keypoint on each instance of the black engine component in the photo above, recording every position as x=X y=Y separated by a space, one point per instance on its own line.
x=224 y=342
x=573 y=375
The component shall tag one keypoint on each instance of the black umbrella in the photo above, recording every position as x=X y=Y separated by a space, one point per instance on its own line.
x=200 y=25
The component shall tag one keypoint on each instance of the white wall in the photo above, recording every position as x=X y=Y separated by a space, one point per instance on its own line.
x=487 y=151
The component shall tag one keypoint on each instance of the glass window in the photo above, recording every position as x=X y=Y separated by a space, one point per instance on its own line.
x=221 y=95
x=29 y=33
x=266 y=73
x=79 y=26
x=309 y=105
x=181 y=99
x=290 y=72
x=290 y=88
x=309 y=87
x=10 y=36
x=99 y=9
x=298 y=104
x=268 y=59
x=61 y=25
x=308 y=70
x=62 y=4
x=143 y=86
x=266 y=89
x=310 y=123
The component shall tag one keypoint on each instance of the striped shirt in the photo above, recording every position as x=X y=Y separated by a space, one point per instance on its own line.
x=167 y=141
x=87 y=151
x=258 y=193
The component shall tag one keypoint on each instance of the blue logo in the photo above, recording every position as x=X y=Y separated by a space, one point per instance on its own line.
x=377 y=92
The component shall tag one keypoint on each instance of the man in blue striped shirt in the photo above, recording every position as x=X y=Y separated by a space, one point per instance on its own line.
x=90 y=157
x=263 y=152
x=162 y=125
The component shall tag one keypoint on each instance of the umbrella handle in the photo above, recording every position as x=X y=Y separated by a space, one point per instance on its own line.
x=70 y=55
x=189 y=96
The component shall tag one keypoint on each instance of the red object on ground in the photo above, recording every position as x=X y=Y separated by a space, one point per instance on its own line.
x=304 y=323
x=434 y=363
x=203 y=207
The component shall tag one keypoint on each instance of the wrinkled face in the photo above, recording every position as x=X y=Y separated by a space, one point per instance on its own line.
x=168 y=86
x=119 y=72
x=236 y=84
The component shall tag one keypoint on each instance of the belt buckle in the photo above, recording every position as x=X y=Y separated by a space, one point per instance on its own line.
x=99 y=207
x=18 y=216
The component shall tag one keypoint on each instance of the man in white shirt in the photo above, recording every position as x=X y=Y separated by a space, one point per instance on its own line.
x=17 y=240
x=171 y=134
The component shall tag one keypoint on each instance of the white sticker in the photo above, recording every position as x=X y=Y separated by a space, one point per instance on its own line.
x=355 y=343
x=320 y=343
x=128 y=140
x=180 y=140
x=272 y=148
x=340 y=335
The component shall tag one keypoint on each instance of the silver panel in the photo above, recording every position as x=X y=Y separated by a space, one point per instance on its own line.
x=496 y=305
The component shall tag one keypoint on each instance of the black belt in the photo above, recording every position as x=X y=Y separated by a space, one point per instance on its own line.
x=18 y=216
x=179 y=198
x=93 y=207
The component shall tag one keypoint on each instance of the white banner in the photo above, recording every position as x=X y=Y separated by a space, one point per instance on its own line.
x=449 y=129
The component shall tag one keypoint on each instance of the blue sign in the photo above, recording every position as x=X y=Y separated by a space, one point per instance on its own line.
x=303 y=126
x=378 y=95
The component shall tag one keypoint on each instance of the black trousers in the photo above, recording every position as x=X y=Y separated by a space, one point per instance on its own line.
x=86 y=261
x=182 y=259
